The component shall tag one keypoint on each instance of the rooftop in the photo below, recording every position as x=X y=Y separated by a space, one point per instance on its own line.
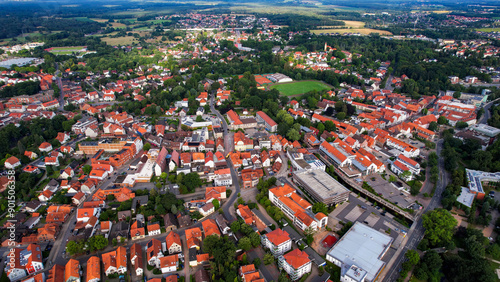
x=321 y=184
x=362 y=246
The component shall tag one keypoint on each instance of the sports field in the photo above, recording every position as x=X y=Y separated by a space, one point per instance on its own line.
x=300 y=87
x=489 y=29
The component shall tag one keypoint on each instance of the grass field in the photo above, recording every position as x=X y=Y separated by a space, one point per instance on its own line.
x=489 y=29
x=99 y=20
x=67 y=49
x=158 y=21
x=118 y=25
x=300 y=87
x=126 y=40
x=83 y=19
x=351 y=30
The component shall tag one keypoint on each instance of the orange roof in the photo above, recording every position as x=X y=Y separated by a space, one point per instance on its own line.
x=202 y=258
x=297 y=258
x=173 y=238
x=169 y=261
x=210 y=227
x=247 y=268
x=85 y=212
x=117 y=258
x=72 y=269
x=105 y=225
x=278 y=236
x=45 y=145
x=198 y=156
x=154 y=248
x=93 y=268
x=153 y=227
x=56 y=273
x=332 y=150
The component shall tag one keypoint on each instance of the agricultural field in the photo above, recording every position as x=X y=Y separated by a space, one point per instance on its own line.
x=350 y=27
x=83 y=19
x=300 y=87
x=126 y=40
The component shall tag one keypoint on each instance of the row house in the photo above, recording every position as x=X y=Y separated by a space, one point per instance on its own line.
x=296 y=208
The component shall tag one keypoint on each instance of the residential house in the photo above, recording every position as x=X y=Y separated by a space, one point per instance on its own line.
x=154 y=252
x=173 y=243
x=115 y=261
x=136 y=259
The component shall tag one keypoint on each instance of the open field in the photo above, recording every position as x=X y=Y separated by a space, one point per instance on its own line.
x=157 y=21
x=300 y=87
x=351 y=30
x=489 y=29
x=99 y=20
x=67 y=49
x=126 y=40
x=348 y=24
x=118 y=25
x=83 y=19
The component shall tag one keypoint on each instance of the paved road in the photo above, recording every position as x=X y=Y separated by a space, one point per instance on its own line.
x=487 y=114
x=229 y=204
x=416 y=232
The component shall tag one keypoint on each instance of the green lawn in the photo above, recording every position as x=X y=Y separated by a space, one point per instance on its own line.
x=489 y=29
x=301 y=87
x=83 y=19
x=157 y=21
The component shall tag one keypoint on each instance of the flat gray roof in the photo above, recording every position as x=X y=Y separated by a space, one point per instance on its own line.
x=321 y=184
x=362 y=246
x=466 y=197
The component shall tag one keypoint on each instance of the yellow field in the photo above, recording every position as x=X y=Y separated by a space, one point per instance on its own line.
x=354 y=24
x=126 y=40
x=118 y=25
x=99 y=20
x=351 y=30
x=441 y=12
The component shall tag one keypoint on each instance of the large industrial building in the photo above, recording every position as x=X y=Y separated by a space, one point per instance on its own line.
x=321 y=186
x=359 y=253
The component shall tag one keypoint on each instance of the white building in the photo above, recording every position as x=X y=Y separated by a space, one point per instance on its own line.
x=359 y=253
x=296 y=263
x=277 y=241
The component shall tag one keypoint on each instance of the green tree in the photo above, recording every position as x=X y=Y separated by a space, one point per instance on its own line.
x=413 y=257
x=268 y=259
x=341 y=115
x=146 y=147
x=216 y=204
x=73 y=247
x=173 y=209
x=87 y=169
x=97 y=242
x=245 y=244
x=439 y=226
x=199 y=118
x=405 y=174
x=442 y=120
x=433 y=126
x=293 y=134
x=320 y=207
x=256 y=262
x=235 y=226
x=255 y=239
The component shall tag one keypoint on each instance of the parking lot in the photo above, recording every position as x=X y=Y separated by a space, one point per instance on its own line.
x=389 y=191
